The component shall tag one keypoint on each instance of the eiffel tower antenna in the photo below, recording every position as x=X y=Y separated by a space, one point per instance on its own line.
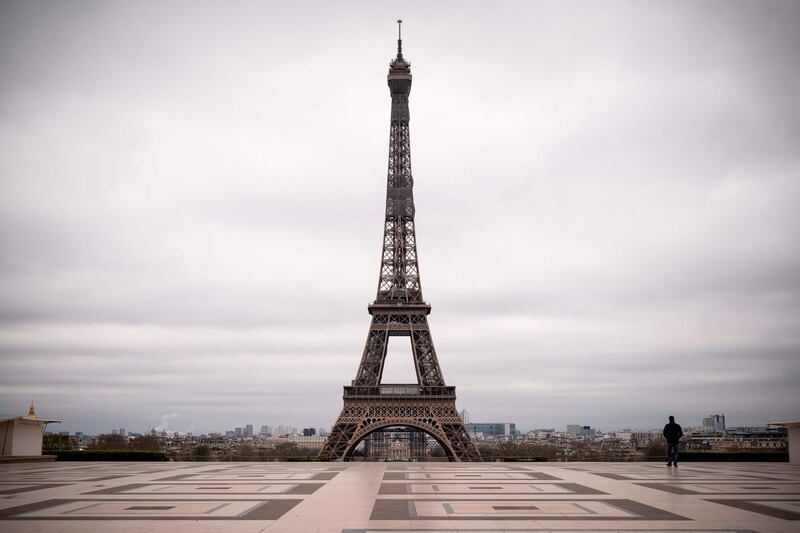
x=429 y=405
x=399 y=39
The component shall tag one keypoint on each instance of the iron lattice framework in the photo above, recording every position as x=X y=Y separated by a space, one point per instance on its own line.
x=399 y=310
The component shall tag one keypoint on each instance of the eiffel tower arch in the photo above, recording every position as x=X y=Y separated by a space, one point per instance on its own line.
x=399 y=310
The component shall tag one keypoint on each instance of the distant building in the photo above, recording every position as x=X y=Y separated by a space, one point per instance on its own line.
x=122 y=431
x=643 y=438
x=314 y=441
x=492 y=429
x=464 y=416
x=585 y=431
x=265 y=430
x=248 y=430
x=309 y=432
x=572 y=429
x=398 y=444
x=22 y=435
x=738 y=439
x=239 y=432
x=114 y=432
x=714 y=423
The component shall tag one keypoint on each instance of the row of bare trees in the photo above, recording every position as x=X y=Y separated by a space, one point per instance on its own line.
x=280 y=452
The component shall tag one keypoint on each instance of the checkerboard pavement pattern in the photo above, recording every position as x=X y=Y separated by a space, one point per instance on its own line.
x=384 y=497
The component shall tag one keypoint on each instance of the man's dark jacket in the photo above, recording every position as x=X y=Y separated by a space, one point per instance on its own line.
x=673 y=432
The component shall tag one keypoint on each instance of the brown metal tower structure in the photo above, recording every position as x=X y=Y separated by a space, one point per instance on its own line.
x=399 y=310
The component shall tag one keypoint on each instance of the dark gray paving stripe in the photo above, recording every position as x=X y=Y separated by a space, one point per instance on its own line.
x=645 y=511
x=31 y=488
x=390 y=510
x=252 y=477
x=8 y=512
x=121 y=488
x=577 y=488
x=304 y=488
x=271 y=510
x=179 y=477
x=65 y=479
x=542 y=475
x=394 y=488
x=299 y=488
x=399 y=510
x=235 y=481
x=450 y=476
x=731 y=478
x=667 y=487
x=753 y=506
x=107 y=478
x=405 y=488
x=549 y=530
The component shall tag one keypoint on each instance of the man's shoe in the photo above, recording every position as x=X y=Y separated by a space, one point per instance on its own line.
x=676 y=465
x=669 y=464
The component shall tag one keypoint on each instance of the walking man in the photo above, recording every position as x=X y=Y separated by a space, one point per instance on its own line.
x=673 y=433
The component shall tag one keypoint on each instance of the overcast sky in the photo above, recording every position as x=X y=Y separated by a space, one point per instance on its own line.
x=192 y=200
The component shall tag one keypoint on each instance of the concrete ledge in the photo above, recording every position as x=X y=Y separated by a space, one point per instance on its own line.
x=27 y=458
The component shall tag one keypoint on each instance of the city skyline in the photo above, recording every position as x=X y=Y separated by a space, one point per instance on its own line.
x=258 y=428
x=191 y=207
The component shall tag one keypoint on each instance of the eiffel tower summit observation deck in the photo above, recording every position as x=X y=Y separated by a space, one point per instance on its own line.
x=428 y=405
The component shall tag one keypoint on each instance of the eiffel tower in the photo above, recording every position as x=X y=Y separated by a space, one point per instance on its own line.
x=399 y=310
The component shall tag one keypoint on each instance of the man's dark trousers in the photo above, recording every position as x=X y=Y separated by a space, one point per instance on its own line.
x=672 y=452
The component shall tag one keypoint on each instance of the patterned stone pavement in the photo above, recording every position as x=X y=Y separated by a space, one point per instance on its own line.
x=361 y=498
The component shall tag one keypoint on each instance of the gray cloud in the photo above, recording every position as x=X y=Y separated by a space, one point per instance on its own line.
x=191 y=204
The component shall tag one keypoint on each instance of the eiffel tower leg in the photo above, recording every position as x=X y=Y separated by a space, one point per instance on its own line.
x=343 y=430
x=338 y=441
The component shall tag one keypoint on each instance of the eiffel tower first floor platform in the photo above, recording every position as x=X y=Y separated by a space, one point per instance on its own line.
x=426 y=408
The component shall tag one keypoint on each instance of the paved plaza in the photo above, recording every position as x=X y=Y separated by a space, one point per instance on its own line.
x=366 y=497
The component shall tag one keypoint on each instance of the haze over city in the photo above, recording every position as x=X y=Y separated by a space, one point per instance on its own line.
x=192 y=195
